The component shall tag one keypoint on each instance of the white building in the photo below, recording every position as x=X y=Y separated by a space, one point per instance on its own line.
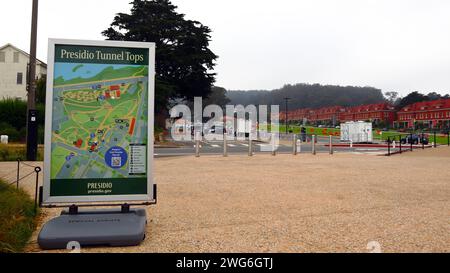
x=13 y=71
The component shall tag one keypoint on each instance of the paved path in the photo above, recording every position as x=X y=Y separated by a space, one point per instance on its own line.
x=241 y=147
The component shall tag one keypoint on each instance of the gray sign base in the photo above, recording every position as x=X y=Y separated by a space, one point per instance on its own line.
x=94 y=228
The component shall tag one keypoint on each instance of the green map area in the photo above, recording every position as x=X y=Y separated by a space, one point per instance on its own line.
x=96 y=120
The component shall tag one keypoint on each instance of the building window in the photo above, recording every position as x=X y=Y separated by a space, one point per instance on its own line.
x=16 y=57
x=2 y=57
x=19 y=78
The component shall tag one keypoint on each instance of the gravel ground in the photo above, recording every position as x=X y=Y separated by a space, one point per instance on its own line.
x=306 y=203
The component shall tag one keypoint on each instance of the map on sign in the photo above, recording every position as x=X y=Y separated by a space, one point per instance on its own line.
x=100 y=121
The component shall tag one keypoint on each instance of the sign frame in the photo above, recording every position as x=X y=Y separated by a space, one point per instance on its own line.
x=50 y=200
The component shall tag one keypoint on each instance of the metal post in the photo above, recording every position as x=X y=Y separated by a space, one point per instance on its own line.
x=389 y=146
x=197 y=145
x=274 y=153
x=250 y=144
x=225 y=143
x=313 y=144
x=18 y=173
x=400 y=142
x=411 y=137
x=423 y=144
x=31 y=88
x=37 y=170
x=294 y=144
x=435 y=140
x=331 y=146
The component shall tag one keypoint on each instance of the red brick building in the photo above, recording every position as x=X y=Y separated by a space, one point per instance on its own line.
x=380 y=112
x=329 y=114
x=427 y=114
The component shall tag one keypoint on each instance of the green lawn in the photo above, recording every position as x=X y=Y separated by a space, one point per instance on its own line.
x=309 y=130
x=440 y=139
x=17 y=219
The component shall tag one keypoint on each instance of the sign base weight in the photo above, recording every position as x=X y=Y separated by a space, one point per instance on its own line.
x=94 y=228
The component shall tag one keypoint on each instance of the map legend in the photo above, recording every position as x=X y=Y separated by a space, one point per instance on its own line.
x=138 y=162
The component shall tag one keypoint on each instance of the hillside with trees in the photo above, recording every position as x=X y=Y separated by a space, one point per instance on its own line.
x=309 y=96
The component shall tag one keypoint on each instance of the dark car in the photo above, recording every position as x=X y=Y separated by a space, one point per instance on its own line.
x=414 y=139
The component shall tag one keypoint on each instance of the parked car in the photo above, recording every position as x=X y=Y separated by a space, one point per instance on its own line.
x=414 y=139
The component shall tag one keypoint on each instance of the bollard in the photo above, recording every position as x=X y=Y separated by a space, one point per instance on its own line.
x=435 y=140
x=411 y=140
x=389 y=146
x=299 y=146
x=400 y=143
x=313 y=145
x=225 y=143
x=393 y=144
x=294 y=144
x=37 y=170
x=423 y=144
x=197 y=145
x=18 y=173
x=351 y=143
x=274 y=153
x=41 y=196
x=331 y=146
x=250 y=148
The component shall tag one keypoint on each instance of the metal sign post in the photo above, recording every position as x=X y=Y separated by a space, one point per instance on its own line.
x=32 y=127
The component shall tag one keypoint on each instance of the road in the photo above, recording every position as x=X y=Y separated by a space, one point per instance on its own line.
x=241 y=147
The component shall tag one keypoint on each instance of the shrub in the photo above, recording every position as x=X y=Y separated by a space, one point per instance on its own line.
x=18 y=219
x=12 y=152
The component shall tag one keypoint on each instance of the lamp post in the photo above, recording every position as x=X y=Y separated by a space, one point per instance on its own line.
x=31 y=88
x=286 y=122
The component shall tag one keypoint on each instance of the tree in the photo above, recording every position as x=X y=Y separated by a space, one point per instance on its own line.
x=218 y=96
x=412 y=98
x=309 y=96
x=41 y=90
x=392 y=97
x=183 y=59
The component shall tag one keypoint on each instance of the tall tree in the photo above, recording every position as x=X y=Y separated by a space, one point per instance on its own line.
x=309 y=96
x=412 y=98
x=392 y=97
x=218 y=96
x=183 y=59
x=41 y=90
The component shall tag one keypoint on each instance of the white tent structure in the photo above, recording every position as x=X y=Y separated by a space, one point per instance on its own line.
x=356 y=132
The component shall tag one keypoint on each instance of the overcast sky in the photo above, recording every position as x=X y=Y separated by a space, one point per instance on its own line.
x=394 y=45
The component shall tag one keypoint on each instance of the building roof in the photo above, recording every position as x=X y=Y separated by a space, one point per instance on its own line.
x=371 y=108
x=39 y=62
x=427 y=105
